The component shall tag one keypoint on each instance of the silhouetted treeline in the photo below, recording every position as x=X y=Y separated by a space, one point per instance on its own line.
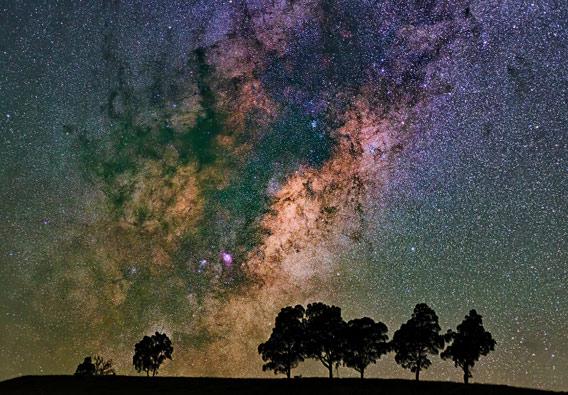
x=319 y=332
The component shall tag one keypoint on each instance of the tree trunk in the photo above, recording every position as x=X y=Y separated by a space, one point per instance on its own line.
x=330 y=368
x=417 y=374
x=288 y=373
x=466 y=374
x=362 y=373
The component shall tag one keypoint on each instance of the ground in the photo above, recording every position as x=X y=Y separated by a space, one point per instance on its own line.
x=61 y=385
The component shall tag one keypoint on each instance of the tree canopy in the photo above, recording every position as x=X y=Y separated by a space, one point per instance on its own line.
x=325 y=330
x=86 y=368
x=417 y=338
x=468 y=343
x=103 y=367
x=284 y=349
x=151 y=352
x=365 y=341
x=98 y=367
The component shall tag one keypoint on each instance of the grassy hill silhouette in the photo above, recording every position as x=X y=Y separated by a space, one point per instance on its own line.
x=62 y=385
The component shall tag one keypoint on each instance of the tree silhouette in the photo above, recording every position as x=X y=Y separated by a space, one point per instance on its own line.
x=86 y=368
x=103 y=367
x=284 y=349
x=417 y=338
x=469 y=343
x=151 y=352
x=100 y=367
x=365 y=342
x=324 y=335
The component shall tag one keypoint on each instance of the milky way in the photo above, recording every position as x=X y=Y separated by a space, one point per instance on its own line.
x=195 y=167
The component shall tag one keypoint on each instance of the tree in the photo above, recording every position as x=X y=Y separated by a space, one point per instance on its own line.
x=100 y=367
x=284 y=349
x=417 y=338
x=151 y=352
x=469 y=343
x=365 y=342
x=103 y=367
x=324 y=335
x=86 y=368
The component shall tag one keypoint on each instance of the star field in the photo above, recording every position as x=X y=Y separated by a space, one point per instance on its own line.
x=193 y=167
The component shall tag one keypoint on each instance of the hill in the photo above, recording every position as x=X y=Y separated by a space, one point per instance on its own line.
x=62 y=385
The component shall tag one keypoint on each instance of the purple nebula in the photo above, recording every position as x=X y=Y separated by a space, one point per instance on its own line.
x=226 y=258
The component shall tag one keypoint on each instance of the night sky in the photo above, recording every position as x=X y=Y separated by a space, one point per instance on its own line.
x=194 y=166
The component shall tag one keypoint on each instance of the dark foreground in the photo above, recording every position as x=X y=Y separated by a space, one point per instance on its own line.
x=62 y=385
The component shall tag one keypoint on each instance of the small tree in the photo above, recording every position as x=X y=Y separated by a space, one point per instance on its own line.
x=103 y=367
x=324 y=335
x=417 y=338
x=469 y=343
x=86 y=368
x=151 y=352
x=365 y=342
x=100 y=367
x=284 y=349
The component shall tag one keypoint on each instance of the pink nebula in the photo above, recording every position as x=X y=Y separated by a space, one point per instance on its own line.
x=226 y=258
